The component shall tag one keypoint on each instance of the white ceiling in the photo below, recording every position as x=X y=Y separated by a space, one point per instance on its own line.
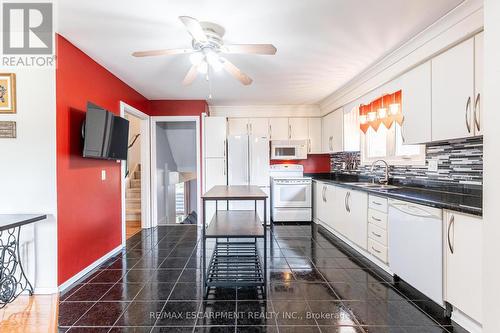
x=321 y=44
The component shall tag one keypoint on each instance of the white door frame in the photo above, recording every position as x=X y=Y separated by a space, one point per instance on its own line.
x=145 y=170
x=154 y=202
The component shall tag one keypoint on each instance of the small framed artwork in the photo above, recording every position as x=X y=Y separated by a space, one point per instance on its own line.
x=8 y=130
x=7 y=93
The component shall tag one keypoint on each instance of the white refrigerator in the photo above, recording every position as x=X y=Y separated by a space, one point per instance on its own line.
x=248 y=164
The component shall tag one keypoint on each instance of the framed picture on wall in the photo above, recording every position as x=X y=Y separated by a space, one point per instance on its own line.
x=7 y=93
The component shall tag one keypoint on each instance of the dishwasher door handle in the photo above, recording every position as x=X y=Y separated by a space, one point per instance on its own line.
x=411 y=210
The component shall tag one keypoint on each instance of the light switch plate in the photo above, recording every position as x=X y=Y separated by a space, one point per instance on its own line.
x=433 y=165
x=103 y=174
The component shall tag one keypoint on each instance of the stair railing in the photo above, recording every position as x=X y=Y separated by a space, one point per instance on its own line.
x=127 y=171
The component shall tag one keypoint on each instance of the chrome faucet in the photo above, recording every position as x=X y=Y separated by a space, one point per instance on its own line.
x=384 y=180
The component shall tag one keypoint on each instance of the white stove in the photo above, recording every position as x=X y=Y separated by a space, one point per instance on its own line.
x=290 y=194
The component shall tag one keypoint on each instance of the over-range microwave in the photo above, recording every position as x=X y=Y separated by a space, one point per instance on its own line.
x=288 y=149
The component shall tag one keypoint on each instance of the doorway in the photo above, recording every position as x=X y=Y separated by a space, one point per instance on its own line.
x=136 y=180
x=175 y=165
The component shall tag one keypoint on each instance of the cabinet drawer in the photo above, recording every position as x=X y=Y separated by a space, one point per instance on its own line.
x=377 y=249
x=377 y=218
x=378 y=234
x=377 y=203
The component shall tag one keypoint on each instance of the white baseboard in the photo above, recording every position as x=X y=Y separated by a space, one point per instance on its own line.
x=46 y=290
x=90 y=267
x=465 y=321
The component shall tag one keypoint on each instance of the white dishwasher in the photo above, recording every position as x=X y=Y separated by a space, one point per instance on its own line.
x=416 y=247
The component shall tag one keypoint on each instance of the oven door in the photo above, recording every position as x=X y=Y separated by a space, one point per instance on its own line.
x=291 y=195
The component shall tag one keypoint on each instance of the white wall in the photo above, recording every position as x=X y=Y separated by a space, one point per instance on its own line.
x=491 y=189
x=28 y=170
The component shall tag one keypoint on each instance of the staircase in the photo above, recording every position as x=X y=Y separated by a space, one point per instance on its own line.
x=133 y=196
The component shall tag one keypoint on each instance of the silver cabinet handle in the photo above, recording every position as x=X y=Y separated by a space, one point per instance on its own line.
x=224 y=168
x=375 y=234
x=374 y=249
x=477 y=112
x=376 y=219
x=289 y=131
x=330 y=143
x=324 y=193
x=376 y=203
x=402 y=129
x=346 y=202
x=450 y=223
x=467 y=109
x=309 y=149
x=270 y=131
x=224 y=149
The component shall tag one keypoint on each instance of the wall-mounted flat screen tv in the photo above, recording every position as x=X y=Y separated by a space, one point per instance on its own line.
x=105 y=135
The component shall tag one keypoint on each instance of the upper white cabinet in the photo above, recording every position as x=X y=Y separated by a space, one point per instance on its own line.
x=248 y=126
x=215 y=137
x=453 y=92
x=298 y=128
x=463 y=263
x=333 y=137
x=314 y=129
x=258 y=127
x=237 y=126
x=478 y=81
x=351 y=127
x=417 y=105
x=278 y=129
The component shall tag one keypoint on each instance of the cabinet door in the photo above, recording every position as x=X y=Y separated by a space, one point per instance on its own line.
x=237 y=126
x=339 y=208
x=453 y=92
x=417 y=104
x=259 y=127
x=299 y=129
x=278 y=129
x=319 y=201
x=357 y=221
x=328 y=207
x=338 y=130
x=215 y=137
x=351 y=127
x=314 y=135
x=463 y=238
x=326 y=133
x=478 y=81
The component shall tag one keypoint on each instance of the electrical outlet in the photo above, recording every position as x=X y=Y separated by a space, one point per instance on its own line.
x=103 y=175
x=433 y=165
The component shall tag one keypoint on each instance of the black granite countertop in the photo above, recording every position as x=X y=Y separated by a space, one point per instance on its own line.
x=456 y=198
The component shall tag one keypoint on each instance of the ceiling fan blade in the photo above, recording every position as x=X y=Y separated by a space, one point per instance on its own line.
x=161 y=52
x=194 y=28
x=236 y=72
x=268 y=49
x=191 y=75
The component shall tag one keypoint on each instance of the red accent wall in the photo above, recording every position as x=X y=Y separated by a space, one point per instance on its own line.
x=89 y=210
x=317 y=163
x=177 y=107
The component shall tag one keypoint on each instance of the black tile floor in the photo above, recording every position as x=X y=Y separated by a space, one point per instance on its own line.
x=315 y=284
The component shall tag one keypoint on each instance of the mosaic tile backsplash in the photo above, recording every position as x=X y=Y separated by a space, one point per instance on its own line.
x=459 y=162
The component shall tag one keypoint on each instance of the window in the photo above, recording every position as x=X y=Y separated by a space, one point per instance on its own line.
x=387 y=144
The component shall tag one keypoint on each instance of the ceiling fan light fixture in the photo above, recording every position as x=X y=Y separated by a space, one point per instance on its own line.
x=196 y=58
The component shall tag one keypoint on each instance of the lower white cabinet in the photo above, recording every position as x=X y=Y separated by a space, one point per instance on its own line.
x=350 y=214
x=463 y=263
x=322 y=202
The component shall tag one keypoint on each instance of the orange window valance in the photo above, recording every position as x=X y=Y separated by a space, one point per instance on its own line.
x=385 y=110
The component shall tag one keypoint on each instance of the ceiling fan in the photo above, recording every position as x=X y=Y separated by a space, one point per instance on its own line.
x=207 y=49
